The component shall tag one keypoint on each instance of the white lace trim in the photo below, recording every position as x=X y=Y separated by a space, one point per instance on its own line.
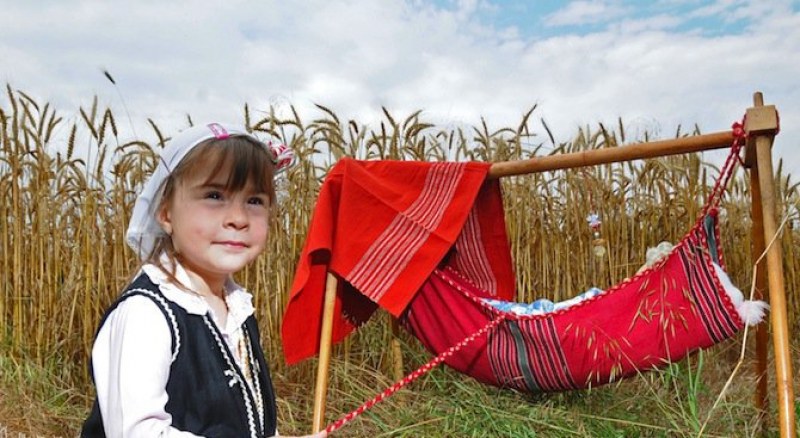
x=236 y=377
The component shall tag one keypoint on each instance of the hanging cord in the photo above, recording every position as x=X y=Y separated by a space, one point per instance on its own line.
x=726 y=172
x=419 y=372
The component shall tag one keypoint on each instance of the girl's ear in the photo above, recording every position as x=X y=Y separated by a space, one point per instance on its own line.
x=165 y=219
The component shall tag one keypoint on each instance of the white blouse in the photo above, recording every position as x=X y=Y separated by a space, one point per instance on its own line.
x=132 y=354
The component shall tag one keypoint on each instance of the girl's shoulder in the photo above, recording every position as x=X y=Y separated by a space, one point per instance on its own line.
x=139 y=293
x=143 y=308
x=141 y=287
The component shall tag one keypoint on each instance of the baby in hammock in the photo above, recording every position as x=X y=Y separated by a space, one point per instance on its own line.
x=751 y=311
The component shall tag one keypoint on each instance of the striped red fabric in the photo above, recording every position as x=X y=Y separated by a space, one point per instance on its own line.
x=658 y=316
x=545 y=355
x=390 y=253
x=481 y=254
x=714 y=311
x=382 y=227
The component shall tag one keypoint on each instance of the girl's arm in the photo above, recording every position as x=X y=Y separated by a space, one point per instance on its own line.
x=131 y=360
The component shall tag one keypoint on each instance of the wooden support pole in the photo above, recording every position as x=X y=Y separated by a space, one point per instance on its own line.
x=593 y=157
x=761 y=398
x=397 y=352
x=326 y=334
x=777 y=294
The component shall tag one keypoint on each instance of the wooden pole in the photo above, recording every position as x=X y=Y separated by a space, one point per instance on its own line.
x=397 y=352
x=762 y=140
x=326 y=334
x=761 y=398
x=593 y=157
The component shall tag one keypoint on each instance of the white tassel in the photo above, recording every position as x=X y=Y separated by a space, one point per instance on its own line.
x=751 y=312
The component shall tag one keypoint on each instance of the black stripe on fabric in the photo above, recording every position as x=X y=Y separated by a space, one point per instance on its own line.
x=689 y=274
x=702 y=291
x=729 y=328
x=522 y=357
x=709 y=228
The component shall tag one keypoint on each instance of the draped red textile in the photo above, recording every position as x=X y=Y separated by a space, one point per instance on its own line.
x=427 y=241
x=382 y=227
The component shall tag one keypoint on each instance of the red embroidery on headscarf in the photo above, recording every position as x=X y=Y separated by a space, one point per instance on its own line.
x=219 y=132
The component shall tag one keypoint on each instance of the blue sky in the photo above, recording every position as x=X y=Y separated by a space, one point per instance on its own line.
x=657 y=65
x=542 y=19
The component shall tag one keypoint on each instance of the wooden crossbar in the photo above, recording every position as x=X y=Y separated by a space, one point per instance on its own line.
x=684 y=145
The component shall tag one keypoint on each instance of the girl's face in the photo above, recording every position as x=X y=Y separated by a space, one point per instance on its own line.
x=215 y=232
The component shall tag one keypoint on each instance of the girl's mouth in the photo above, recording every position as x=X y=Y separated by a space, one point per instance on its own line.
x=233 y=244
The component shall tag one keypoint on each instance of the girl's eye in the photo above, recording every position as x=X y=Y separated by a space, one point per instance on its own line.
x=213 y=195
x=256 y=200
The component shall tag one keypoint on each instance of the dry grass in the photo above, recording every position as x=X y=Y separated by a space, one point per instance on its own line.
x=63 y=216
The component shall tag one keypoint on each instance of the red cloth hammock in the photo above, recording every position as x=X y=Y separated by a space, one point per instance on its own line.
x=655 y=317
x=426 y=241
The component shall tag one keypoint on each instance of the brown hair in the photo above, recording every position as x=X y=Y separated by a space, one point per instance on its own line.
x=247 y=160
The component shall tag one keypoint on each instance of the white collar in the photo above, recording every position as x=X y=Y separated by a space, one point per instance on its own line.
x=239 y=301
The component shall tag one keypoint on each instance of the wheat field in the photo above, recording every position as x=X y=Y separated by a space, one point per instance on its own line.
x=68 y=183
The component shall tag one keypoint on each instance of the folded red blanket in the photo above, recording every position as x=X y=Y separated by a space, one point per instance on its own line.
x=382 y=227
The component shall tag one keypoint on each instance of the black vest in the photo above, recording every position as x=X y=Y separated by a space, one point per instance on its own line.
x=208 y=394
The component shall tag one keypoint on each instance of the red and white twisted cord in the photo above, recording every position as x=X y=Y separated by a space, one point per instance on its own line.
x=388 y=392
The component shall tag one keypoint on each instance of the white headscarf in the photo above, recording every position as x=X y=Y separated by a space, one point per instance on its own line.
x=144 y=229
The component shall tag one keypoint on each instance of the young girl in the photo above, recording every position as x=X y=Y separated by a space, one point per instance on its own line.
x=179 y=353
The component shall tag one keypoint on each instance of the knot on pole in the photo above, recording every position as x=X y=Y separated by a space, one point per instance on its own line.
x=739 y=134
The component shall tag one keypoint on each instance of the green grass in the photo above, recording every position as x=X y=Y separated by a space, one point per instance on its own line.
x=39 y=400
x=673 y=402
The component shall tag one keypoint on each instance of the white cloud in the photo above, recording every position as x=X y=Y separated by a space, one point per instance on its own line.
x=208 y=59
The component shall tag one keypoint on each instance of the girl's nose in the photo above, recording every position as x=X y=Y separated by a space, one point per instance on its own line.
x=236 y=215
